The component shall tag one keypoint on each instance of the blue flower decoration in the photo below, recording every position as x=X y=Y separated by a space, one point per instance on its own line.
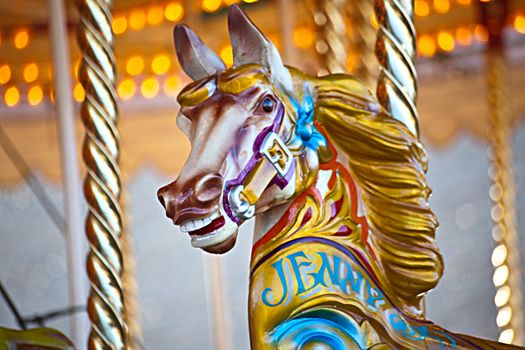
x=305 y=128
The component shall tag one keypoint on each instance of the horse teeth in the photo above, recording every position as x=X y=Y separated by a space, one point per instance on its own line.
x=196 y=224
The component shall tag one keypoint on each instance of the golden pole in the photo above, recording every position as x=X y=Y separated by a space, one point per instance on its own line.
x=331 y=43
x=395 y=52
x=362 y=34
x=505 y=256
x=102 y=185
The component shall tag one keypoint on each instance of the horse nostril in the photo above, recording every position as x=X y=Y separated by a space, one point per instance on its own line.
x=208 y=187
x=160 y=196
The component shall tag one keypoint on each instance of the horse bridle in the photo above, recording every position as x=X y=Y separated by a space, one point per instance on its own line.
x=271 y=163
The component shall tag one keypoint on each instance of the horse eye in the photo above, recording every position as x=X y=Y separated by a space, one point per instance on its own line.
x=267 y=104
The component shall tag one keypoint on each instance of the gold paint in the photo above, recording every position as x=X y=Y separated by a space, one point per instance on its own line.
x=235 y=81
x=102 y=185
x=197 y=92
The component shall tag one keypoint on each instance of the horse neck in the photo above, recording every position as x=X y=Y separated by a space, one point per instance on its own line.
x=331 y=208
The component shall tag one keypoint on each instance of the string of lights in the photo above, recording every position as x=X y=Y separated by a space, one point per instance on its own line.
x=148 y=76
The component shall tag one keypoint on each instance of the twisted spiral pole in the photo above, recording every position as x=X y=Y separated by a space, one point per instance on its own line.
x=361 y=57
x=102 y=184
x=331 y=44
x=505 y=255
x=395 y=51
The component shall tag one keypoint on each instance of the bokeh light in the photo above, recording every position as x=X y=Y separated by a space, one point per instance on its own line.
x=119 y=25
x=30 y=72
x=441 y=6
x=137 y=19
x=227 y=55
x=464 y=36
x=519 y=24
x=135 y=65
x=160 y=64
x=421 y=8
x=21 y=39
x=149 y=88
x=155 y=15
x=12 y=96
x=426 y=45
x=126 y=89
x=174 y=12
x=445 y=41
x=210 y=5
x=5 y=74
x=35 y=95
x=171 y=86
x=303 y=37
x=78 y=93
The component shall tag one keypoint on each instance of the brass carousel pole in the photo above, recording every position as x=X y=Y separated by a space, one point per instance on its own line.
x=331 y=44
x=102 y=185
x=505 y=255
x=361 y=59
x=395 y=51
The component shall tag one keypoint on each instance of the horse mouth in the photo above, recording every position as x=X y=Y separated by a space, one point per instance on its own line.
x=209 y=231
x=202 y=226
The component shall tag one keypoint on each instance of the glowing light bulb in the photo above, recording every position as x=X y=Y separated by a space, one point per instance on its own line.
x=78 y=93
x=35 y=95
x=499 y=255
x=464 y=36
x=171 y=86
x=160 y=64
x=126 y=89
x=504 y=316
x=135 y=65
x=421 y=8
x=119 y=25
x=481 y=33
x=21 y=39
x=149 y=88
x=211 y=5
x=174 y=12
x=500 y=275
x=155 y=15
x=227 y=55
x=519 y=24
x=5 y=74
x=502 y=296
x=426 y=45
x=445 y=41
x=137 y=19
x=303 y=37
x=441 y=6
x=30 y=72
x=507 y=336
x=12 y=96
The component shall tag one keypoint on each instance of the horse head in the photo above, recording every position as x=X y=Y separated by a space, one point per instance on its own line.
x=251 y=134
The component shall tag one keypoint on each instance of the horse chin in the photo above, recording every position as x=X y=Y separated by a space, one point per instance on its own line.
x=219 y=241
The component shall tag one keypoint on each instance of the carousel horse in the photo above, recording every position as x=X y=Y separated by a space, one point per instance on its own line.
x=344 y=241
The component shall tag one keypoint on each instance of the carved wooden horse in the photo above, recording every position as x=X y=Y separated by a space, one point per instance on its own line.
x=344 y=245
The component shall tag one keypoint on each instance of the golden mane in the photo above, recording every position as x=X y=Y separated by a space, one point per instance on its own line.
x=389 y=164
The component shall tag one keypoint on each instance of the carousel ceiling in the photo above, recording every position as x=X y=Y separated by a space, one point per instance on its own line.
x=451 y=44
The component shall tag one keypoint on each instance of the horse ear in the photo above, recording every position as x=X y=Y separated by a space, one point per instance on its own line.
x=251 y=46
x=195 y=58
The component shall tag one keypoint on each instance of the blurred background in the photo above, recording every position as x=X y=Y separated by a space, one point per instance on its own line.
x=469 y=140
